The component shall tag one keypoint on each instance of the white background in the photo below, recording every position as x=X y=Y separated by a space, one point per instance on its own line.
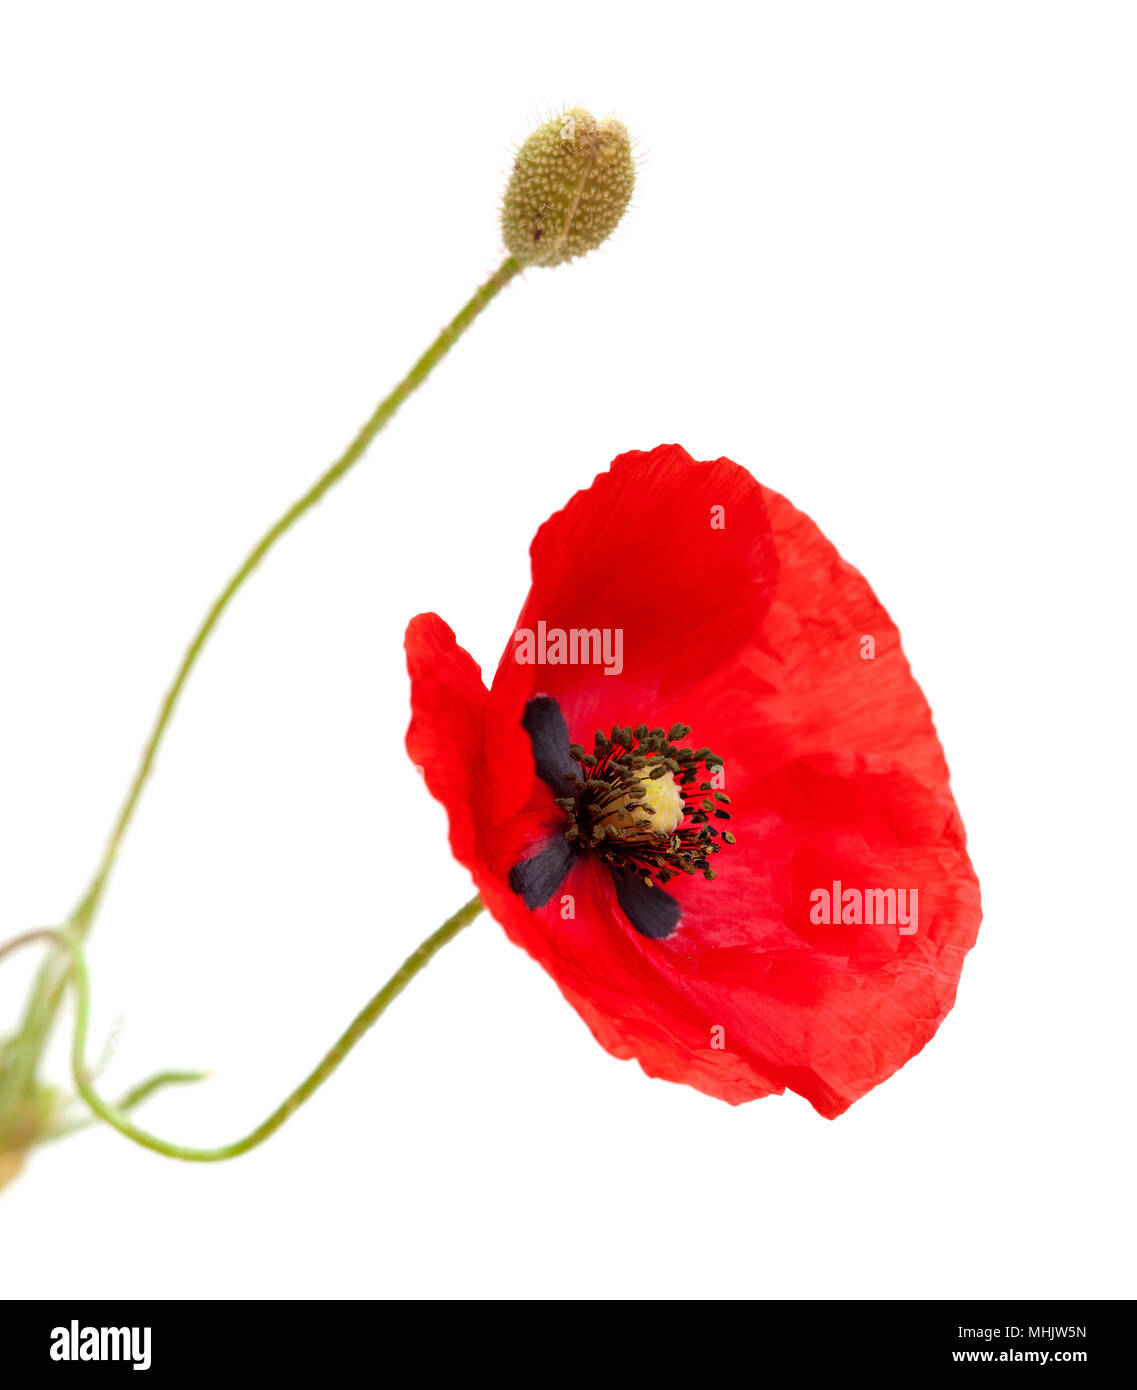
x=881 y=254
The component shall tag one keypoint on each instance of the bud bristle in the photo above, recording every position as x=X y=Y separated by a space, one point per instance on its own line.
x=572 y=181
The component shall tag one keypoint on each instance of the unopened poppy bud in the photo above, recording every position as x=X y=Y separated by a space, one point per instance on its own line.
x=572 y=181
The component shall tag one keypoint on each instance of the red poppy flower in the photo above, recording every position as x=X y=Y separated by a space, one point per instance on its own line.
x=734 y=919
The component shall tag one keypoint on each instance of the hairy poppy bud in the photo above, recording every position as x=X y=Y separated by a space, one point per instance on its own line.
x=572 y=180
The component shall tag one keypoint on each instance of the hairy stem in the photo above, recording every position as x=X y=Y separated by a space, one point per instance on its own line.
x=20 y=1056
x=85 y=912
x=134 y=1097
x=114 y=1114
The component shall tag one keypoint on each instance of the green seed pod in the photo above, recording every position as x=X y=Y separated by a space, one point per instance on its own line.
x=572 y=181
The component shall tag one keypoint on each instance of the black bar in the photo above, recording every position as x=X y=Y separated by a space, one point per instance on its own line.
x=401 y=1341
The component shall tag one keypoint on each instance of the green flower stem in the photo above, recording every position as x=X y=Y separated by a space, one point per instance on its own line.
x=113 y=1114
x=84 y=913
x=135 y=1096
x=21 y=1057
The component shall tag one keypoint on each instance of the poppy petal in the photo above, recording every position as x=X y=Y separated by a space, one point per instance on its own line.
x=448 y=702
x=668 y=555
x=795 y=675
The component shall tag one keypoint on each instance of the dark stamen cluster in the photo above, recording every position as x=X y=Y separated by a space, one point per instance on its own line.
x=611 y=787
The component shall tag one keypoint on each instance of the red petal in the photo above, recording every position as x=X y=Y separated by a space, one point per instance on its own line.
x=637 y=552
x=445 y=736
x=821 y=693
x=832 y=763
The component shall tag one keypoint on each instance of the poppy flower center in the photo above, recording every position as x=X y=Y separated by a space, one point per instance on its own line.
x=644 y=807
x=659 y=812
x=640 y=805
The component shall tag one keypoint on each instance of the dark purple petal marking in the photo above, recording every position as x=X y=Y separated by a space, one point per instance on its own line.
x=652 y=911
x=535 y=880
x=549 y=737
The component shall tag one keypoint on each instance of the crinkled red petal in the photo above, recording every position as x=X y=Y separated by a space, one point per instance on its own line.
x=831 y=761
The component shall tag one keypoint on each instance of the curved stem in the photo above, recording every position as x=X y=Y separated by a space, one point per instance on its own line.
x=135 y=1096
x=85 y=912
x=28 y=1043
x=359 y=1025
x=26 y=938
x=145 y=1089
